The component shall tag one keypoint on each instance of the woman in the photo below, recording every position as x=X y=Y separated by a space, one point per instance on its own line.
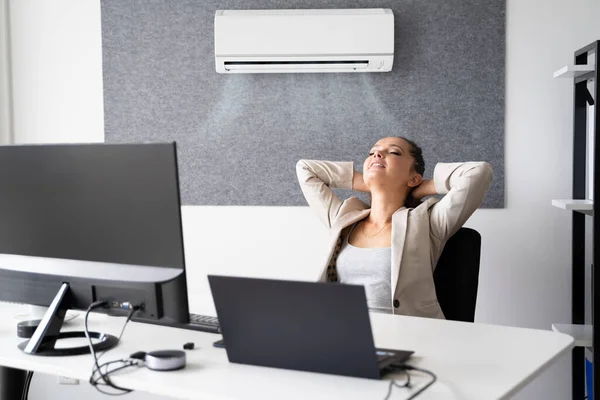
x=392 y=247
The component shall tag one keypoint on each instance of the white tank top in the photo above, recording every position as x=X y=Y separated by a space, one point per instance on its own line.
x=370 y=267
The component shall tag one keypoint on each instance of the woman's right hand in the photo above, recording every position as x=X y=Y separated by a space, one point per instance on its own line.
x=358 y=183
x=424 y=189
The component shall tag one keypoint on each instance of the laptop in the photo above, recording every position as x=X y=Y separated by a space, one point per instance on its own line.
x=306 y=326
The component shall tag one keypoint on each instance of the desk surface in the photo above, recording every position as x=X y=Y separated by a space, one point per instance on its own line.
x=472 y=361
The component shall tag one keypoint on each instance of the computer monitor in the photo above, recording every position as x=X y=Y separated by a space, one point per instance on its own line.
x=81 y=223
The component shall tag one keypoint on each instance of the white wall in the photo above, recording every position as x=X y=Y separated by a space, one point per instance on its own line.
x=525 y=272
x=5 y=97
x=57 y=71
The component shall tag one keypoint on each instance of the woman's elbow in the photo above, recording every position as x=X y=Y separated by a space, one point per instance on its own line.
x=304 y=171
x=301 y=166
x=483 y=171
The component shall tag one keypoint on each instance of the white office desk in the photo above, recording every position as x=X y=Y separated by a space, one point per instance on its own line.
x=472 y=361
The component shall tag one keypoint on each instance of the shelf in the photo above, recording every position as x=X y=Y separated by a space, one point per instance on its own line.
x=573 y=71
x=583 y=69
x=583 y=334
x=585 y=206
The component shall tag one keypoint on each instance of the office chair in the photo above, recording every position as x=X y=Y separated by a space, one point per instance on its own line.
x=457 y=274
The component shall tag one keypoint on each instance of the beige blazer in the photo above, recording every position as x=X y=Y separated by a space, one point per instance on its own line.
x=418 y=235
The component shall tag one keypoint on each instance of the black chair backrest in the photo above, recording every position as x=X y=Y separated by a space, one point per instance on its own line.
x=456 y=275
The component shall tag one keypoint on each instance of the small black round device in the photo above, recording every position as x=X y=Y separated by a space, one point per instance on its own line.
x=165 y=360
x=25 y=329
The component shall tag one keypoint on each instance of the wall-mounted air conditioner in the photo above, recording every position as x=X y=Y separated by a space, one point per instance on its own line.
x=268 y=41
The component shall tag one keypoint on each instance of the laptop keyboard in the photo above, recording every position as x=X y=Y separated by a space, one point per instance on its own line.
x=382 y=355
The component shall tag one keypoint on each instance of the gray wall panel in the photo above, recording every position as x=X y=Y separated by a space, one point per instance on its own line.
x=239 y=136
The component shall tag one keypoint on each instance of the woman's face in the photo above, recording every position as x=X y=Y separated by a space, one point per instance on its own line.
x=390 y=165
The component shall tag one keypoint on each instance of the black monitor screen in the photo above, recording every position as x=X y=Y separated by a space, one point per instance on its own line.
x=115 y=203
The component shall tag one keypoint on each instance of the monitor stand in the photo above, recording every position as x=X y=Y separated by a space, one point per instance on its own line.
x=48 y=332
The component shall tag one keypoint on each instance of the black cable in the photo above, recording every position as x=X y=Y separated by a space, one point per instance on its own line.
x=129 y=316
x=105 y=365
x=394 y=383
x=97 y=387
x=433 y=379
x=96 y=366
x=105 y=377
x=127 y=363
x=407 y=384
x=92 y=306
x=96 y=383
x=95 y=379
x=26 y=385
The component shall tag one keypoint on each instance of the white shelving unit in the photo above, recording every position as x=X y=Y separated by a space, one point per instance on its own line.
x=573 y=71
x=583 y=334
x=585 y=206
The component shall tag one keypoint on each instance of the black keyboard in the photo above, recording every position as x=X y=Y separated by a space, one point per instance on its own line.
x=204 y=323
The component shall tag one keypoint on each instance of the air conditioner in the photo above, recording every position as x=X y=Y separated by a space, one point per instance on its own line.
x=282 y=41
